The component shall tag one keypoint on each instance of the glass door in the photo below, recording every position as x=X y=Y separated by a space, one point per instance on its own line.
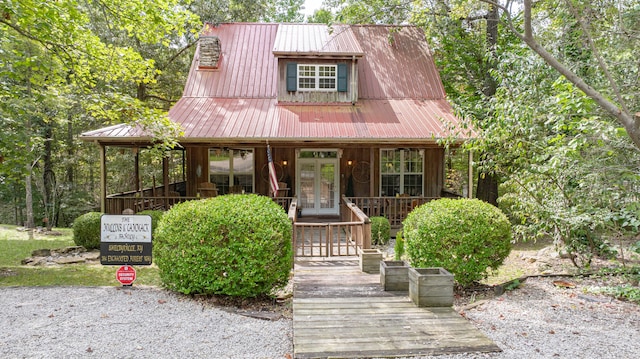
x=318 y=180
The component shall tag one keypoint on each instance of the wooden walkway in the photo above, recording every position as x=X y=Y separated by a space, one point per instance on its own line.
x=340 y=312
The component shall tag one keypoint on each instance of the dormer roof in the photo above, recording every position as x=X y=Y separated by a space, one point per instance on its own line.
x=317 y=40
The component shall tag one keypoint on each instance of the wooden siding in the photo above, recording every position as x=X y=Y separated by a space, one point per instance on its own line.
x=313 y=96
x=359 y=155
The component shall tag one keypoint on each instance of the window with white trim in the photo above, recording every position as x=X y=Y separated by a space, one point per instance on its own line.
x=401 y=172
x=317 y=77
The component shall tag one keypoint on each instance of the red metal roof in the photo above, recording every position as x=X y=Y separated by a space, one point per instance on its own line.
x=401 y=98
x=397 y=64
x=316 y=39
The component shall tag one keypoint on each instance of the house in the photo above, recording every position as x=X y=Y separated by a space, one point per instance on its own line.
x=351 y=110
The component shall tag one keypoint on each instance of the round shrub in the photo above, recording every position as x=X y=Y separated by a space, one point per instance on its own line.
x=380 y=230
x=86 y=230
x=236 y=245
x=155 y=217
x=464 y=236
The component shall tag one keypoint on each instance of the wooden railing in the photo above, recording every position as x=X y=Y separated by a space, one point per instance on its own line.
x=395 y=209
x=140 y=201
x=115 y=205
x=328 y=239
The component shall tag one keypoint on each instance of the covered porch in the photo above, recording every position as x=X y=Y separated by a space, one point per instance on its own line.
x=381 y=180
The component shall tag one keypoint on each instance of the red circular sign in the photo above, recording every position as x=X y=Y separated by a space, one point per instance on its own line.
x=126 y=275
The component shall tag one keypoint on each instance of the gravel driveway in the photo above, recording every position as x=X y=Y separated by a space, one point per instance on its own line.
x=536 y=321
x=111 y=322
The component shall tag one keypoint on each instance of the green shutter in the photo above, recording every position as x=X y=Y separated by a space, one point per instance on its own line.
x=342 y=77
x=292 y=76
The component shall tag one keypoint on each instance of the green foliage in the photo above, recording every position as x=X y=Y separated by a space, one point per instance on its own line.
x=380 y=230
x=567 y=173
x=622 y=292
x=513 y=285
x=237 y=245
x=398 y=247
x=156 y=216
x=466 y=237
x=86 y=230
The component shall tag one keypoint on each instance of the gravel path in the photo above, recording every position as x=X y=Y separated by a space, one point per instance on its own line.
x=536 y=321
x=540 y=320
x=110 y=322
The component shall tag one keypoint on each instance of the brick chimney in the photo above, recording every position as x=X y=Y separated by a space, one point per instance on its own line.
x=210 y=52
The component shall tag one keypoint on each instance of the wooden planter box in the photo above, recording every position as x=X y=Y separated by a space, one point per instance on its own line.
x=370 y=260
x=394 y=275
x=431 y=287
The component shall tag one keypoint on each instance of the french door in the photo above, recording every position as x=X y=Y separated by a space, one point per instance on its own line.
x=318 y=186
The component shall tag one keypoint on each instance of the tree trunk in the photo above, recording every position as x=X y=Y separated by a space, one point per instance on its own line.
x=487 y=188
x=70 y=151
x=29 y=201
x=487 y=183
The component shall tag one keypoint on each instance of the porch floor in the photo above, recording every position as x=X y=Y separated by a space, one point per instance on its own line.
x=339 y=311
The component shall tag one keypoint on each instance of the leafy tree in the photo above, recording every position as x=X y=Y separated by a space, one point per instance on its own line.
x=321 y=16
x=284 y=11
x=609 y=41
x=57 y=67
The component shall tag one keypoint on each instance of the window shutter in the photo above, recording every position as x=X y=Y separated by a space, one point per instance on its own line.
x=342 y=77
x=292 y=76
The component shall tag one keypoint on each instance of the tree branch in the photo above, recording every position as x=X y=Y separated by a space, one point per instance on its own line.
x=620 y=113
x=605 y=69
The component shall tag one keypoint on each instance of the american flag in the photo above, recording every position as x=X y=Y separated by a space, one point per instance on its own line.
x=273 y=178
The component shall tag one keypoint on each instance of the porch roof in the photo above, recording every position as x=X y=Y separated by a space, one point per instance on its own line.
x=249 y=120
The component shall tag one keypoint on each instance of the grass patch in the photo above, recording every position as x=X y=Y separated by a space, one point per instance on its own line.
x=73 y=275
x=15 y=246
x=13 y=251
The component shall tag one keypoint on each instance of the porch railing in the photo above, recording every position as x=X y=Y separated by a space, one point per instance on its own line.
x=138 y=202
x=328 y=239
x=395 y=209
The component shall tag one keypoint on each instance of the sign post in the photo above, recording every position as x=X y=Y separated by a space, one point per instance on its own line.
x=125 y=240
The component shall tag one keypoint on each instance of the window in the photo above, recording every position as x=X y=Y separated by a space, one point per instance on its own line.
x=231 y=167
x=317 y=77
x=401 y=172
x=311 y=77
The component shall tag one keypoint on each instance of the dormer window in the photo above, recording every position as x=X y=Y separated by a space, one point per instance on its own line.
x=317 y=77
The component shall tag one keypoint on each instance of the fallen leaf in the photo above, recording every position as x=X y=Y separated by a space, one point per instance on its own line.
x=51 y=315
x=161 y=301
x=563 y=284
x=552 y=332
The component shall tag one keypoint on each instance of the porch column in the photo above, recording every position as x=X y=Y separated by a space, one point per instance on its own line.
x=165 y=175
x=136 y=168
x=470 y=172
x=103 y=179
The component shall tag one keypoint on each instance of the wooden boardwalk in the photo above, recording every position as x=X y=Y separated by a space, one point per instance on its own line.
x=340 y=312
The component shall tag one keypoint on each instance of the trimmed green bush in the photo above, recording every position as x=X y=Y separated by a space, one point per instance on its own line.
x=236 y=245
x=156 y=216
x=86 y=230
x=380 y=230
x=398 y=247
x=464 y=236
